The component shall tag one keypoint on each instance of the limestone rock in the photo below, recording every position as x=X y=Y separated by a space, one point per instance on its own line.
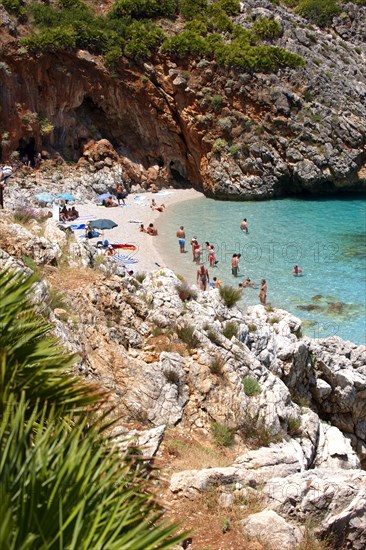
x=272 y=529
x=334 y=450
x=334 y=500
x=53 y=233
x=251 y=469
x=148 y=441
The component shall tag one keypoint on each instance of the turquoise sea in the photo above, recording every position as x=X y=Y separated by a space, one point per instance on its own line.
x=325 y=237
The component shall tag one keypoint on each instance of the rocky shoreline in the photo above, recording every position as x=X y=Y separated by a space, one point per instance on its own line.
x=294 y=407
x=238 y=135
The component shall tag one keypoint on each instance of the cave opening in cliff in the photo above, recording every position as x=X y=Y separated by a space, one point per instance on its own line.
x=93 y=123
x=178 y=173
x=27 y=151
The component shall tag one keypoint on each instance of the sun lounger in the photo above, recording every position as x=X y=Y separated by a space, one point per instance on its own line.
x=84 y=218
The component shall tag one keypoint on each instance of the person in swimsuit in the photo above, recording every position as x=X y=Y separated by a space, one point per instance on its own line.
x=181 y=239
x=296 y=270
x=263 y=292
x=235 y=264
x=203 y=277
x=244 y=225
x=151 y=230
x=120 y=192
x=211 y=256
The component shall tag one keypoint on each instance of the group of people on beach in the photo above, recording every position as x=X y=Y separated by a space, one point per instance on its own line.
x=151 y=229
x=68 y=214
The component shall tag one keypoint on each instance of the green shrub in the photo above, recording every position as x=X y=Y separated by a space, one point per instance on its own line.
x=216 y=101
x=15 y=7
x=234 y=151
x=190 y=9
x=219 y=20
x=213 y=336
x=45 y=125
x=222 y=435
x=186 y=333
x=141 y=9
x=112 y=56
x=29 y=262
x=140 y=276
x=230 y=330
x=172 y=377
x=187 y=43
x=251 y=386
x=219 y=146
x=216 y=364
x=320 y=12
x=254 y=432
x=56 y=299
x=185 y=292
x=196 y=26
x=254 y=58
x=24 y=214
x=231 y=7
x=225 y=527
x=267 y=28
x=229 y=295
x=294 y=426
x=52 y=40
x=143 y=38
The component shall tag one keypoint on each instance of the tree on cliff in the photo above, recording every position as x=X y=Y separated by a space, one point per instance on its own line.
x=62 y=483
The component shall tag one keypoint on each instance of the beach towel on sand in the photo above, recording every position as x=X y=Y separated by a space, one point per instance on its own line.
x=123 y=259
x=77 y=226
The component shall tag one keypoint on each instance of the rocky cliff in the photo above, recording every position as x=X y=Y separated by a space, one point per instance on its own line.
x=231 y=133
x=291 y=409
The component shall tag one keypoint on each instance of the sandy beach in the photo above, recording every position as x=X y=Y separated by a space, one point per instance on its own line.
x=129 y=217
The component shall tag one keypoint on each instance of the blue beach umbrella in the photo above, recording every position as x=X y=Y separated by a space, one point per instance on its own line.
x=66 y=197
x=44 y=197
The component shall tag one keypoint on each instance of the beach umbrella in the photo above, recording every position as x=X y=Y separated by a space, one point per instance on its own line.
x=44 y=197
x=101 y=198
x=66 y=197
x=103 y=224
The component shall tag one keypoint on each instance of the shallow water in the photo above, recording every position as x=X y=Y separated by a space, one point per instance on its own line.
x=325 y=237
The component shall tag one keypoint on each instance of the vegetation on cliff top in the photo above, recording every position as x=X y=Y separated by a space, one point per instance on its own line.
x=132 y=28
x=63 y=484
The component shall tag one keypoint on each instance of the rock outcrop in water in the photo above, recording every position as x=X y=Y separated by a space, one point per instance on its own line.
x=232 y=134
x=293 y=407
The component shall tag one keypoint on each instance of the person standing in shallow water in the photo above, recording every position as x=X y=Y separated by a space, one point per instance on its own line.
x=263 y=292
x=235 y=264
x=181 y=239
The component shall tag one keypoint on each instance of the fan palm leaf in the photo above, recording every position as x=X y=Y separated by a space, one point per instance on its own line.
x=63 y=484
